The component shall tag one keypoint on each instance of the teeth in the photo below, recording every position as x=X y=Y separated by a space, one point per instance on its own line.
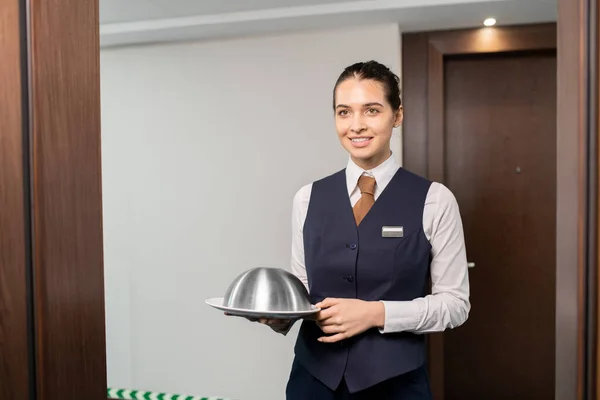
x=360 y=139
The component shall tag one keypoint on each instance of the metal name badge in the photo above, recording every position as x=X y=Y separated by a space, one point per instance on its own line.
x=392 y=231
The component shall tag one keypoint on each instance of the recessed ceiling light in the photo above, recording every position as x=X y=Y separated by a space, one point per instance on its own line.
x=489 y=22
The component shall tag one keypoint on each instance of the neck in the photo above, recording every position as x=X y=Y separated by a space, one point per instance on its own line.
x=374 y=161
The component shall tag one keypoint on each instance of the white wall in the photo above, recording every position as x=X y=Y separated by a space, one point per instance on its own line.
x=204 y=146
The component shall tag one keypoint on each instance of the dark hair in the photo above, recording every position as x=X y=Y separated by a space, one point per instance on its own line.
x=377 y=72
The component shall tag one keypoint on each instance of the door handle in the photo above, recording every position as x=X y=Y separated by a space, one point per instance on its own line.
x=470 y=265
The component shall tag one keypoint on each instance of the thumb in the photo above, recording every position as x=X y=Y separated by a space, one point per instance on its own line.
x=326 y=303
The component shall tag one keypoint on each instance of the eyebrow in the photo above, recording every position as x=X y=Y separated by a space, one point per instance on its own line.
x=364 y=105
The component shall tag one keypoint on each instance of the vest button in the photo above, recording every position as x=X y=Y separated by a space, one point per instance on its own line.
x=350 y=278
x=352 y=246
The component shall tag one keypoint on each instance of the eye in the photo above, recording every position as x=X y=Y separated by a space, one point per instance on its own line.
x=343 y=113
x=372 y=111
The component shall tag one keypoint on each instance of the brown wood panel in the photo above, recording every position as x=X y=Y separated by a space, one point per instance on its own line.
x=594 y=109
x=414 y=100
x=495 y=39
x=597 y=110
x=14 y=371
x=67 y=207
x=435 y=106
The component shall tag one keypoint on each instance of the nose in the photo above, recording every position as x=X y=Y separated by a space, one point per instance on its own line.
x=358 y=124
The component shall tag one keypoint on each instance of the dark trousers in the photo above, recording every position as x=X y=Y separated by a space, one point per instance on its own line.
x=413 y=385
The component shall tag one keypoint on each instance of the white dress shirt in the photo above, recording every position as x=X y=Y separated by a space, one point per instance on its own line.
x=448 y=304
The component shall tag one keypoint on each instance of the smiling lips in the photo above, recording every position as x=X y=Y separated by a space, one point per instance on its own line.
x=360 y=141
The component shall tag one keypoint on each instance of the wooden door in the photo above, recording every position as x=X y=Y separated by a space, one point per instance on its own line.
x=500 y=162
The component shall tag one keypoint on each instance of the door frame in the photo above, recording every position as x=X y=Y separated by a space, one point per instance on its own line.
x=16 y=377
x=51 y=276
x=577 y=348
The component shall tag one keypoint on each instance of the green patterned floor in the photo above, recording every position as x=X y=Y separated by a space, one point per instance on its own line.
x=129 y=394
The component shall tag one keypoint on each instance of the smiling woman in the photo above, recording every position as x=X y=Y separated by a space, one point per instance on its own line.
x=52 y=266
x=365 y=242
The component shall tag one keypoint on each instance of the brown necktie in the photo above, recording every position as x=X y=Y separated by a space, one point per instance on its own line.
x=366 y=184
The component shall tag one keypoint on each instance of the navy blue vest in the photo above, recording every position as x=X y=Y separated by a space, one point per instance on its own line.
x=346 y=261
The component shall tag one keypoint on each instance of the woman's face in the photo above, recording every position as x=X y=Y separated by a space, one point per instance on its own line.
x=364 y=121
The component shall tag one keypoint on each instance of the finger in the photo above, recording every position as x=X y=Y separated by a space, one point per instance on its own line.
x=331 y=321
x=325 y=314
x=330 y=329
x=332 y=339
x=326 y=303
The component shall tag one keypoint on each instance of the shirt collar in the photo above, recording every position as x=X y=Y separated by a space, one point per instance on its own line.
x=383 y=173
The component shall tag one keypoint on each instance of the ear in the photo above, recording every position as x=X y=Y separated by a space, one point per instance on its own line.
x=398 y=117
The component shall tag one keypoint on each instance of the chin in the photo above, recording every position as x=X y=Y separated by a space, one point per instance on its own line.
x=362 y=154
x=362 y=157
x=366 y=155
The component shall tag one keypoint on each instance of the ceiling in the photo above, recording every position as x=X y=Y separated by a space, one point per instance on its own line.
x=132 y=10
x=144 y=21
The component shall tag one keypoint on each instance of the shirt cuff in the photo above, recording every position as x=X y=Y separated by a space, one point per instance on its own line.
x=402 y=316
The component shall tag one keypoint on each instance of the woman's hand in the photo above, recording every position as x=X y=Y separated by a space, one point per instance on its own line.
x=344 y=318
x=278 y=325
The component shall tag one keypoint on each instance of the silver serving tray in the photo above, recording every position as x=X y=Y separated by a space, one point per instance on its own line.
x=218 y=303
